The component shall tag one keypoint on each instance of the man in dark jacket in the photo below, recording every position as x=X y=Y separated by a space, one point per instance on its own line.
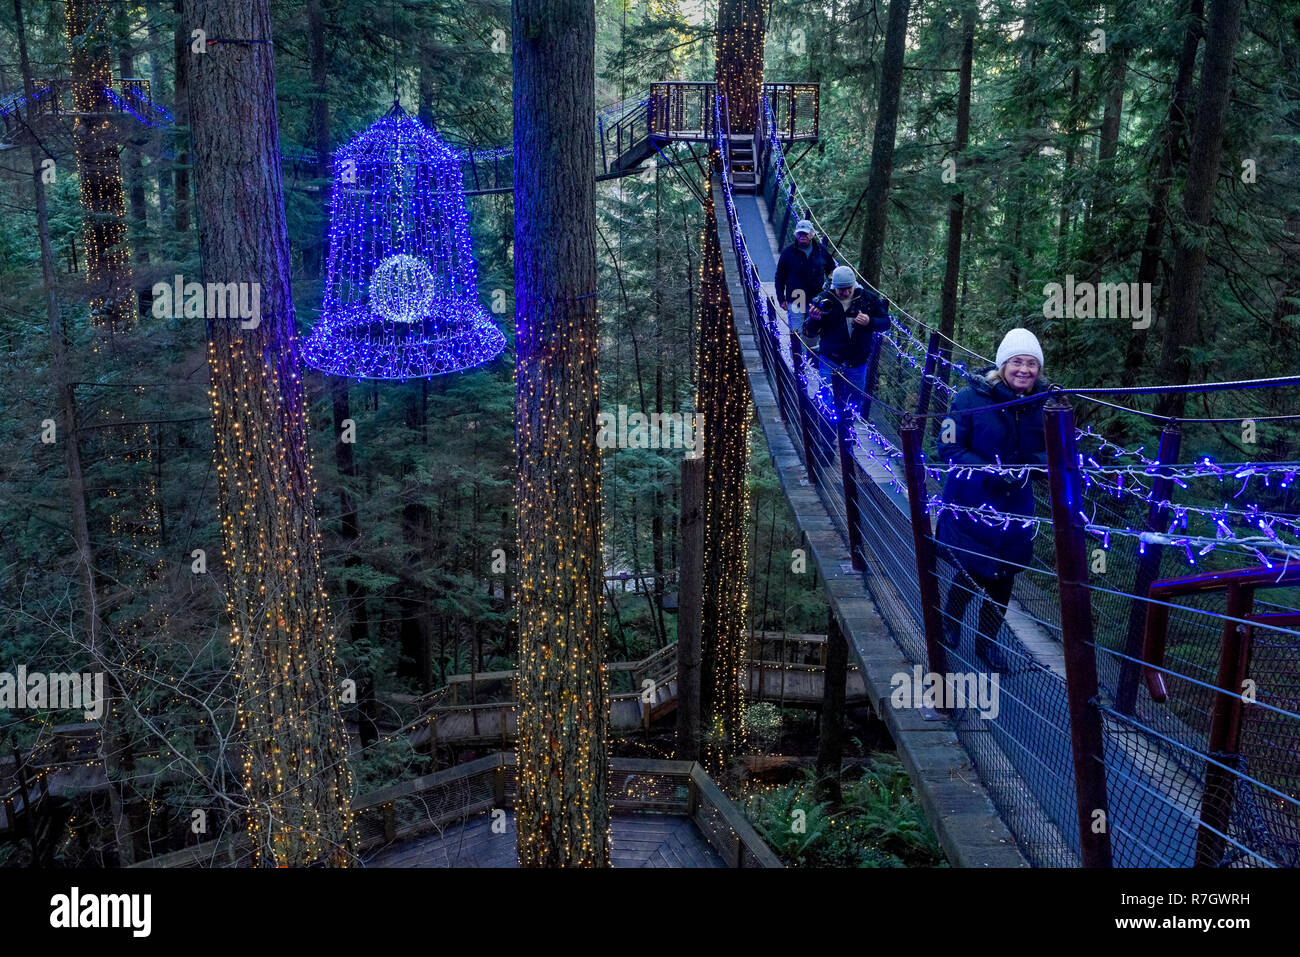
x=801 y=273
x=977 y=432
x=847 y=319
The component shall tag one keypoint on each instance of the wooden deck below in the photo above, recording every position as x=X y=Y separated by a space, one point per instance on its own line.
x=639 y=840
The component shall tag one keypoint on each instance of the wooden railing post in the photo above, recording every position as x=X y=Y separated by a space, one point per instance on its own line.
x=869 y=380
x=1225 y=729
x=912 y=432
x=1148 y=570
x=1086 y=742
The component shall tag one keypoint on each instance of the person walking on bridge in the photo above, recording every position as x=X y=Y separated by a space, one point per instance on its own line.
x=801 y=273
x=847 y=320
x=982 y=429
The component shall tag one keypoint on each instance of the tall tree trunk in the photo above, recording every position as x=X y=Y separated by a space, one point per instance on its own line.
x=108 y=250
x=157 y=167
x=358 y=620
x=1172 y=155
x=561 y=811
x=426 y=89
x=1182 y=329
x=135 y=177
x=182 y=56
x=77 y=496
x=957 y=205
x=690 y=608
x=1101 y=212
x=725 y=402
x=1070 y=134
x=1029 y=105
x=297 y=778
x=739 y=65
x=876 y=204
x=320 y=121
x=134 y=520
x=657 y=527
x=830 y=746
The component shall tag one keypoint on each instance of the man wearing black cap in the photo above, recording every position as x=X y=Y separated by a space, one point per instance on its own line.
x=847 y=319
x=801 y=273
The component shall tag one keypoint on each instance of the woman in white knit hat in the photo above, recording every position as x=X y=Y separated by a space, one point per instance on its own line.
x=982 y=429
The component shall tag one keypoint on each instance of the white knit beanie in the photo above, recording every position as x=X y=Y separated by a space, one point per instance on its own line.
x=843 y=278
x=1019 y=342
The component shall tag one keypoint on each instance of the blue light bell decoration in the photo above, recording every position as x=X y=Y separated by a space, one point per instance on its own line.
x=400 y=299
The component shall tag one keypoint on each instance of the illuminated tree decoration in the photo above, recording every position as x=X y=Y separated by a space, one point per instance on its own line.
x=401 y=298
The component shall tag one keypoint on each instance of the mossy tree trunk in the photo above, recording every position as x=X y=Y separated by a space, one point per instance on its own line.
x=294 y=744
x=561 y=810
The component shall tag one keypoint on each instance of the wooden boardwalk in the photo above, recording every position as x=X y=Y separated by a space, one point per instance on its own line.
x=663 y=814
x=638 y=840
x=772 y=677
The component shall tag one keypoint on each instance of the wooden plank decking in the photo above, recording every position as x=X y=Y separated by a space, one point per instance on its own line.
x=642 y=840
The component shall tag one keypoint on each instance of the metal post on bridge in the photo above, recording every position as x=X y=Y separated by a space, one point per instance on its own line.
x=1066 y=485
x=912 y=432
x=1148 y=569
x=804 y=403
x=848 y=462
x=848 y=473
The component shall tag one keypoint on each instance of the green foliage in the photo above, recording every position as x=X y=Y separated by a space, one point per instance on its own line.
x=880 y=824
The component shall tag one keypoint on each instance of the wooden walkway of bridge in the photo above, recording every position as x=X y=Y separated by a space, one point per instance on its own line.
x=956 y=801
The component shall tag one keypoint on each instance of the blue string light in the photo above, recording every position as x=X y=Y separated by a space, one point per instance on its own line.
x=401 y=296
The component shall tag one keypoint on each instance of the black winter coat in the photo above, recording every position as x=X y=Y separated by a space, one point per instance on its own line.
x=844 y=342
x=795 y=271
x=1011 y=436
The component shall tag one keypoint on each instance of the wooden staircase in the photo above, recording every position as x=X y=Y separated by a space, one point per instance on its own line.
x=744 y=164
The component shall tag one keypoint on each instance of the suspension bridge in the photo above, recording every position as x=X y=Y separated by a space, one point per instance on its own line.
x=1148 y=713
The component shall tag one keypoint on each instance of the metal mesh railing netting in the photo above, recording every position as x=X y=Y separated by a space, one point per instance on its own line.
x=1155 y=753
